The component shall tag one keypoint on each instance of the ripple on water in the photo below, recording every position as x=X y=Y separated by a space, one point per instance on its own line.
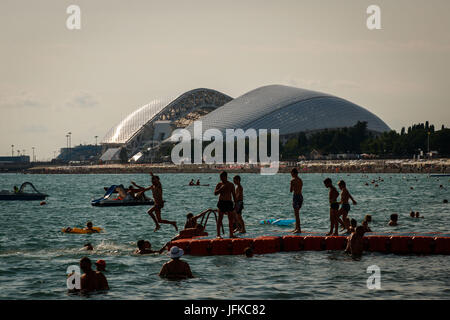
x=35 y=254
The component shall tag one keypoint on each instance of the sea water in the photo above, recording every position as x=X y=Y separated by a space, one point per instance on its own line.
x=35 y=254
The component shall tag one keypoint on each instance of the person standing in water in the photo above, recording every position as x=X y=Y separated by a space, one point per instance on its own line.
x=239 y=204
x=157 y=192
x=225 y=191
x=297 y=199
x=333 y=194
x=345 y=206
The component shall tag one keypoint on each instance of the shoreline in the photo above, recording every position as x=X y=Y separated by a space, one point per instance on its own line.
x=441 y=166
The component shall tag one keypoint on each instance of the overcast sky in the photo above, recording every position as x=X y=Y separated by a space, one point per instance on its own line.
x=54 y=80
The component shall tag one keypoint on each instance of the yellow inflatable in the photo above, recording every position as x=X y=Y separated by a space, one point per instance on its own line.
x=80 y=230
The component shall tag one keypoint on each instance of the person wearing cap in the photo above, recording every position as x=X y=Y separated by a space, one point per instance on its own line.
x=89 y=279
x=176 y=268
x=102 y=282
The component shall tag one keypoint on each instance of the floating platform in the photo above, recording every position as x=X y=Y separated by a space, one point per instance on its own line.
x=400 y=243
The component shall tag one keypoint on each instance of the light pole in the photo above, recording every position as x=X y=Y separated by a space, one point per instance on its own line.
x=428 y=143
x=33 y=155
x=12 y=150
x=70 y=143
x=96 y=140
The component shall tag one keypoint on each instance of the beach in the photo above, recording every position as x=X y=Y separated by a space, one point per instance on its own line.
x=312 y=166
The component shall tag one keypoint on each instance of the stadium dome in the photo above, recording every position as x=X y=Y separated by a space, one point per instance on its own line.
x=137 y=130
x=290 y=110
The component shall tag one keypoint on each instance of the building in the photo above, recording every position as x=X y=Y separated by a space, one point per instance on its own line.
x=149 y=125
x=11 y=163
x=289 y=109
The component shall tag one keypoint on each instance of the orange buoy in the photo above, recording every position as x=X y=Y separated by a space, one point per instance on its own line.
x=293 y=243
x=221 y=246
x=335 y=242
x=442 y=245
x=182 y=244
x=423 y=244
x=401 y=244
x=315 y=243
x=240 y=244
x=201 y=247
x=264 y=245
x=378 y=243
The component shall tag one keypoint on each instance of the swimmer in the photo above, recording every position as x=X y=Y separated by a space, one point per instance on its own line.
x=88 y=246
x=297 y=198
x=248 y=252
x=226 y=193
x=90 y=280
x=355 y=245
x=144 y=247
x=176 y=269
x=418 y=215
x=191 y=183
x=334 y=206
x=100 y=265
x=412 y=214
x=365 y=225
x=368 y=218
x=393 y=221
x=352 y=227
x=89 y=226
x=157 y=191
x=198 y=182
x=345 y=206
x=445 y=201
x=239 y=204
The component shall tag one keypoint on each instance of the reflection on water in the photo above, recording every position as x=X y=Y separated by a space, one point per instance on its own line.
x=34 y=254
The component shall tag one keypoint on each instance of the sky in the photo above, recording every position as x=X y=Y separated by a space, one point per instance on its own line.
x=54 y=80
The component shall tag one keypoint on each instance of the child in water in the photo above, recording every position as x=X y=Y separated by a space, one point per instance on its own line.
x=394 y=219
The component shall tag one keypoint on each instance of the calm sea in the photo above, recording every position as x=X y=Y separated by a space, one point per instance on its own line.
x=35 y=254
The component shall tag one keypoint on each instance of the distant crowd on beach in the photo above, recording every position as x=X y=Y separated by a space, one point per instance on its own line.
x=313 y=166
x=231 y=203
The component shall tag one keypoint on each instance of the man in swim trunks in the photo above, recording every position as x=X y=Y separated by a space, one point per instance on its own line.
x=297 y=199
x=176 y=269
x=225 y=190
x=355 y=244
x=239 y=204
x=345 y=206
x=334 y=206
x=157 y=192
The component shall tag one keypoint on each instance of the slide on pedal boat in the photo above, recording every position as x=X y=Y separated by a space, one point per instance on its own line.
x=107 y=201
x=21 y=195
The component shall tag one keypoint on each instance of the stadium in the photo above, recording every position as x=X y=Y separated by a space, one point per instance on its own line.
x=289 y=109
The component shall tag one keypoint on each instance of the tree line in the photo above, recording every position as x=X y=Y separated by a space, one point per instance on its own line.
x=359 y=140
